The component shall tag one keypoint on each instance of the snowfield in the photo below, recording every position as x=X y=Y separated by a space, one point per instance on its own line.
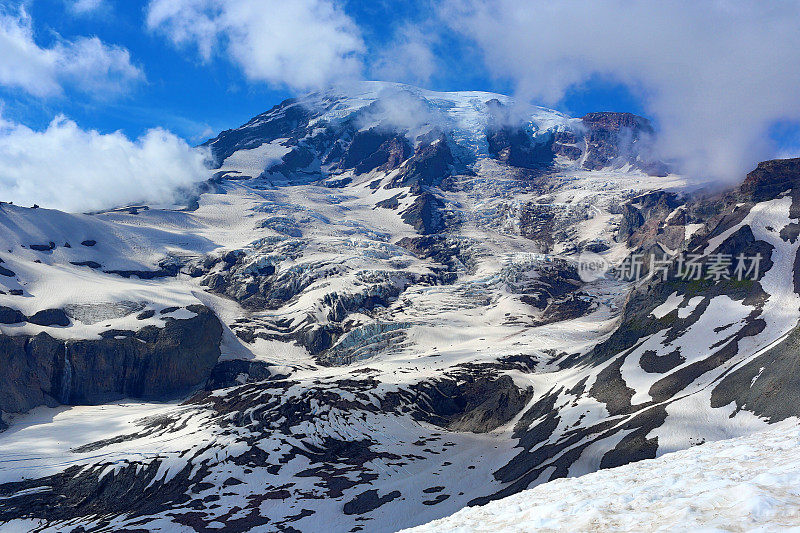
x=747 y=484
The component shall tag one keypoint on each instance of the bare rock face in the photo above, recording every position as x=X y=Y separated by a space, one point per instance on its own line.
x=373 y=149
x=619 y=138
x=424 y=214
x=283 y=120
x=516 y=147
x=30 y=367
x=644 y=220
x=431 y=163
x=771 y=178
x=152 y=363
x=478 y=404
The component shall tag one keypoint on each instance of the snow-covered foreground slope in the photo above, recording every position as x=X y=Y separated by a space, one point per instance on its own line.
x=365 y=323
x=747 y=484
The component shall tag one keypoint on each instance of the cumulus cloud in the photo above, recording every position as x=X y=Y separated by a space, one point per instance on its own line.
x=85 y=63
x=68 y=168
x=302 y=44
x=715 y=75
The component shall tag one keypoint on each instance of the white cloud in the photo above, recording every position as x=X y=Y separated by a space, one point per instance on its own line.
x=68 y=168
x=85 y=63
x=714 y=74
x=82 y=7
x=300 y=43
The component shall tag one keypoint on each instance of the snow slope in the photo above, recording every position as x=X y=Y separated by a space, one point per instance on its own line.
x=746 y=484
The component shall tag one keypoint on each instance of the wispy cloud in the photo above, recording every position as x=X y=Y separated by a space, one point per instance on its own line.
x=85 y=63
x=408 y=57
x=82 y=7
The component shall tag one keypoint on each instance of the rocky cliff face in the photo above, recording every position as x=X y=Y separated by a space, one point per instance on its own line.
x=154 y=363
x=619 y=139
x=770 y=179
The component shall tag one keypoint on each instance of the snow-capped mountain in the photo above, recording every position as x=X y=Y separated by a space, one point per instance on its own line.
x=373 y=316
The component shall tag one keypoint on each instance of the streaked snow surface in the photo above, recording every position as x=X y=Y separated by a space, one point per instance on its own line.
x=747 y=484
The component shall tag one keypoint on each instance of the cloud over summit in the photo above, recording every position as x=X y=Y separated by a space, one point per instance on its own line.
x=714 y=75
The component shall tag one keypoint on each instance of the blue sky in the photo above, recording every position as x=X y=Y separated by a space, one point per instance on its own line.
x=179 y=93
x=108 y=97
x=194 y=98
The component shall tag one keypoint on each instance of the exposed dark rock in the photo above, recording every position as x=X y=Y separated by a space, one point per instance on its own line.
x=368 y=501
x=297 y=160
x=89 y=243
x=166 y=271
x=372 y=149
x=31 y=368
x=169 y=363
x=768 y=386
x=453 y=252
x=50 y=317
x=650 y=362
x=566 y=144
x=477 y=404
x=516 y=147
x=391 y=203
x=43 y=247
x=285 y=120
x=425 y=214
x=431 y=163
x=568 y=308
x=644 y=218
x=635 y=446
x=437 y=500
x=771 y=178
x=154 y=363
x=11 y=316
x=235 y=372
x=90 y=264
